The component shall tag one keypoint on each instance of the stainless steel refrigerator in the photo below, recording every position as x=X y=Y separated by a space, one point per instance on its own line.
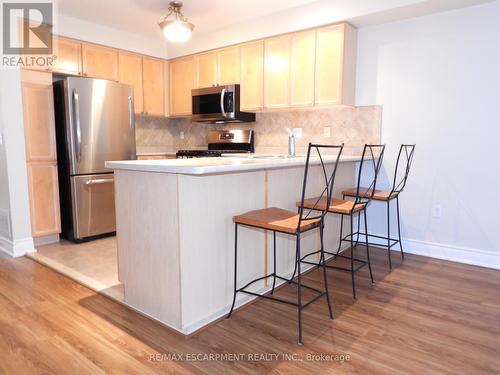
x=94 y=123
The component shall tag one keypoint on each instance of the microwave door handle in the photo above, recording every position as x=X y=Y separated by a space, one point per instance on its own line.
x=76 y=108
x=222 y=110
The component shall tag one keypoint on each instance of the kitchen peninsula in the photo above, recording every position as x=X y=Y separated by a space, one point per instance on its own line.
x=176 y=235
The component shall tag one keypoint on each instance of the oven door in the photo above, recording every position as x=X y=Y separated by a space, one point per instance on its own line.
x=213 y=103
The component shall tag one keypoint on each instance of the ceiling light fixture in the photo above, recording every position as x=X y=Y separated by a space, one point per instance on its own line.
x=178 y=29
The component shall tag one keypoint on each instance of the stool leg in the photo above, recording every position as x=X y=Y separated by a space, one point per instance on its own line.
x=274 y=263
x=321 y=231
x=299 y=288
x=352 y=261
x=389 y=233
x=341 y=230
x=366 y=244
x=322 y=252
x=235 y=267
x=399 y=230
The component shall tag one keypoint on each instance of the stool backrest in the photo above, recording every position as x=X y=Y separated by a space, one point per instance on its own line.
x=371 y=161
x=328 y=179
x=403 y=164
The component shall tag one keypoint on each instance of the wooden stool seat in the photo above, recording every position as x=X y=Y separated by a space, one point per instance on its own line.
x=337 y=206
x=277 y=219
x=378 y=195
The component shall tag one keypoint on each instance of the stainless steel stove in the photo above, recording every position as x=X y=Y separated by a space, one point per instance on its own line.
x=223 y=142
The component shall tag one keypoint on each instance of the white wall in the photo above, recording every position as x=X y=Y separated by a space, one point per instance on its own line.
x=438 y=79
x=20 y=241
x=100 y=34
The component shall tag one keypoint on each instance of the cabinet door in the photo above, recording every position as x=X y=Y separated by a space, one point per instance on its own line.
x=228 y=66
x=44 y=199
x=38 y=111
x=252 y=76
x=302 y=68
x=182 y=81
x=153 y=86
x=329 y=58
x=69 y=56
x=100 y=62
x=206 y=69
x=130 y=73
x=277 y=72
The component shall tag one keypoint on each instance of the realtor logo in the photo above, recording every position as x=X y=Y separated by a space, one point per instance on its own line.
x=34 y=24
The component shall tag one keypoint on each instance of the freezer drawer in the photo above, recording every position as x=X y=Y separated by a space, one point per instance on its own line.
x=93 y=199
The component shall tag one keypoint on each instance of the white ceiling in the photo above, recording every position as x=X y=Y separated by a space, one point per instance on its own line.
x=141 y=16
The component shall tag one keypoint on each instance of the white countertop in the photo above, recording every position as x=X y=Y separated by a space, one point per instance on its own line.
x=202 y=166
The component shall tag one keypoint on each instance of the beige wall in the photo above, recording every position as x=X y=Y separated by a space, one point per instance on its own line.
x=354 y=126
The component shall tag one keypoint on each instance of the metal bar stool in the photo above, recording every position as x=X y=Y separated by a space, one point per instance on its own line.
x=290 y=223
x=403 y=164
x=372 y=155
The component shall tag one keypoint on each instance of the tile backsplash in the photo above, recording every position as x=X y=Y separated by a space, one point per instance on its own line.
x=354 y=126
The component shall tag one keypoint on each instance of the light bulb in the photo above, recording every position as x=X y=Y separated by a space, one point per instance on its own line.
x=177 y=31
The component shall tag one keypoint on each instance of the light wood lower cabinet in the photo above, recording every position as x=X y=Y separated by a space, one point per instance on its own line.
x=100 y=62
x=153 y=80
x=44 y=199
x=130 y=73
x=277 y=72
x=69 y=56
x=252 y=76
x=41 y=156
x=182 y=80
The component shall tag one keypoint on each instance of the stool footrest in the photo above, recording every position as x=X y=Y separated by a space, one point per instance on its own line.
x=321 y=293
x=393 y=240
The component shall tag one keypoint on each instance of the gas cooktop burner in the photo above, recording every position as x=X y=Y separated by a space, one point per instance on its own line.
x=184 y=154
x=222 y=142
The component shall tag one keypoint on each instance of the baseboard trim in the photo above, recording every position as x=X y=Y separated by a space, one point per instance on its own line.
x=17 y=248
x=476 y=257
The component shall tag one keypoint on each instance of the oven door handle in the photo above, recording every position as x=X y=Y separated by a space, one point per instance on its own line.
x=222 y=110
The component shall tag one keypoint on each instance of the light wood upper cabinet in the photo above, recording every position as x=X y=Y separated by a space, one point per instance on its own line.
x=228 y=66
x=335 y=65
x=166 y=91
x=41 y=156
x=252 y=76
x=44 y=199
x=302 y=59
x=38 y=108
x=69 y=56
x=130 y=73
x=153 y=86
x=182 y=81
x=277 y=72
x=100 y=62
x=206 y=69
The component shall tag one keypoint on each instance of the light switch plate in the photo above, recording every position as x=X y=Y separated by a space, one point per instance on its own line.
x=1 y=139
x=327 y=132
x=181 y=136
x=297 y=132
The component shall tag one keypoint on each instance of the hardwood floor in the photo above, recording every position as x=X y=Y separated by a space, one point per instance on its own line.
x=426 y=316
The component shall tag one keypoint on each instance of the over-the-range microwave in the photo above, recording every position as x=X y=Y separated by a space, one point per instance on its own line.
x=218 y=104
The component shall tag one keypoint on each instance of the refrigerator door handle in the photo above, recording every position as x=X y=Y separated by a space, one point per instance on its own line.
x=131 y=111
x=99 y=181
x=76 y=107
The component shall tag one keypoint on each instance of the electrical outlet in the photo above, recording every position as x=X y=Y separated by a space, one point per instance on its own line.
x=297 y=132
x=437 y=211
x=327 y=132
x=181 y=136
